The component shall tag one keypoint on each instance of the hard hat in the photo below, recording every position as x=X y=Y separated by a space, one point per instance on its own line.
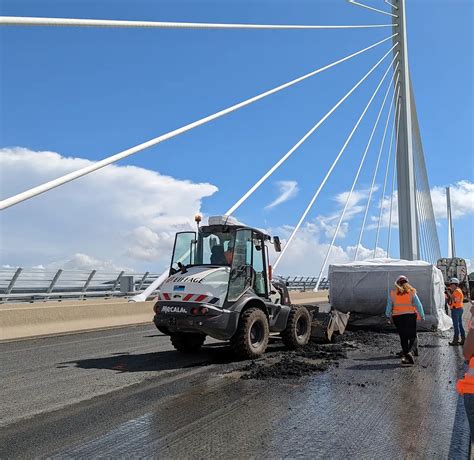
x=402 y=278
x=453 y=281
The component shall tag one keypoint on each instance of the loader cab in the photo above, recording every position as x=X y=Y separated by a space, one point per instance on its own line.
x=240 y=253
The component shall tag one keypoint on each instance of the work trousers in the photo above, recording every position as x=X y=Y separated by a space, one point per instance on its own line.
x=469 y=406
x=456 y=315
x=406 y=327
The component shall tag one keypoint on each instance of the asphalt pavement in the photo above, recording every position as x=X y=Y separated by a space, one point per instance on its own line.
x=125 y=392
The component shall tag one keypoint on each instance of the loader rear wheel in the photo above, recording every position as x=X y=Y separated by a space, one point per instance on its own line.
x=298 y=328
x=163 y=330
x=251 y=339
x=187 y=343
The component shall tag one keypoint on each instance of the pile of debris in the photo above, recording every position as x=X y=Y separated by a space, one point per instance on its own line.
x=316 y=357
x=286 y=367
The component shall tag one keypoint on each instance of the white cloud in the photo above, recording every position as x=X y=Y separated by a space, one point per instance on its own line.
x=85 y=262
x=462 y=200
x=287 y=190
x=385 y=218
x=462 y=204
x=329 y=223
x=306 y=254
x=365 y=253
x=356 y=197
x=119 y=216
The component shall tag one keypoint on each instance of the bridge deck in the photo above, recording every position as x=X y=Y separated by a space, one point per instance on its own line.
x=125 y=392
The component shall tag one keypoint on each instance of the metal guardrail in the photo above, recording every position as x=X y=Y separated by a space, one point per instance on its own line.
x=308 y=283
x=33 y=285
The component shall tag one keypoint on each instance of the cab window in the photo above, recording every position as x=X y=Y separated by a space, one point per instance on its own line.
x=258 y=265
x=184 y=250
x=241 y=267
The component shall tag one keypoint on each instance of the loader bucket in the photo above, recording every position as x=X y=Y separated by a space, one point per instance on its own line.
x=324 y=325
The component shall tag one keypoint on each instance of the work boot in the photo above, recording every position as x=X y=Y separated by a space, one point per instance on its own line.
x=455 y=341
x=405 y=360
x=410 y=358
x=462 y=340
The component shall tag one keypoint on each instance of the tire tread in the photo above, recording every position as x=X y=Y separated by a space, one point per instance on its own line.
x=288 y=335
x=239 y=343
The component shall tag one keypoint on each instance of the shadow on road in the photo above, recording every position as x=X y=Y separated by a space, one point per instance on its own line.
x=158 y=361
x=377 y=358
x=375 y=367
x=211 y=353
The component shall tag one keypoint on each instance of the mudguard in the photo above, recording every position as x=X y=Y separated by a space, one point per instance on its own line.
x=277 y=314
x=247 y=297
x=279 y=320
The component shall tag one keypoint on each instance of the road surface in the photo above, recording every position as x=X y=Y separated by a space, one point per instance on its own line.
x=126 y=392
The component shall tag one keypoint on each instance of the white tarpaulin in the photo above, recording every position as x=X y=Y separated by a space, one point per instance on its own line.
x=363 y=287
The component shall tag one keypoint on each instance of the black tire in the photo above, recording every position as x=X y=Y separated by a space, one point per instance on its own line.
x=163 y=330
x=251 y=339
x=187 y=343
x=298 y=328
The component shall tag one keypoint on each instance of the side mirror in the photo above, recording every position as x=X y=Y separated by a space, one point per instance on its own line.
x=277 y=244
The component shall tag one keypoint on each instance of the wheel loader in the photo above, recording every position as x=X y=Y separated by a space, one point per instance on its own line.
x=456 y=267
x=220 y=285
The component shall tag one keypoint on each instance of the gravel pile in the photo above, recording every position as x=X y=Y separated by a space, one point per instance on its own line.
x=286 y=367
x=316 y=357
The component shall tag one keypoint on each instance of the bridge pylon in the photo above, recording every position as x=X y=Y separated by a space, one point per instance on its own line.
x=407 y=214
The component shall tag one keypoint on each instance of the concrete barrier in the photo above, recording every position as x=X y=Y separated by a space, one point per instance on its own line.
x=22 y=320
x=36 y=319
x=308 y=297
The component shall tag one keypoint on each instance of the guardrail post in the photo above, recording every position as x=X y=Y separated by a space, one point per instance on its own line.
x=142 y=281
x=86 y=284
x=12 y=282
x=117 y=281
x=51 y=286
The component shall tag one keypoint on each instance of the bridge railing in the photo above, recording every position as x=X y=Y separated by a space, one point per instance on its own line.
x=30 y=285
x=305 y=283
x=33 y=285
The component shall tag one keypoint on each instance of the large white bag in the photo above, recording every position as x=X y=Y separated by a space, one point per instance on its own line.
x=363 y=287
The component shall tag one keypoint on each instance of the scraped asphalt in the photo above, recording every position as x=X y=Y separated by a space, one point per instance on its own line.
x=126 y=392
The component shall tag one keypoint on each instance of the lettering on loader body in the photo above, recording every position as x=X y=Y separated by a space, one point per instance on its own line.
x=167 y=309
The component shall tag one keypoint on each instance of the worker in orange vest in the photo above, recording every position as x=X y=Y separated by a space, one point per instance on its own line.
x=465 y=386
x=404 y=308
x=455 y=301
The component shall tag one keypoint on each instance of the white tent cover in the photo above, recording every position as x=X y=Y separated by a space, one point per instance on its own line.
x=363 y=287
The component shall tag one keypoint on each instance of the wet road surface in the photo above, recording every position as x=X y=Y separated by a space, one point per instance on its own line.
x=125 y=392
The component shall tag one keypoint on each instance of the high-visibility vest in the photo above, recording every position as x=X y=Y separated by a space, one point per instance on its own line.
x=402 y=303
x=457 y=299
x=466 y=385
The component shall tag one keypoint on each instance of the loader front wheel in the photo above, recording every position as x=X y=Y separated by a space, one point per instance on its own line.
x=251 y=339
x=298 y=328
x=187 y=343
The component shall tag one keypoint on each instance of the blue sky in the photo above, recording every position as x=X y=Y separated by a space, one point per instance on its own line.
x=89 y=93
